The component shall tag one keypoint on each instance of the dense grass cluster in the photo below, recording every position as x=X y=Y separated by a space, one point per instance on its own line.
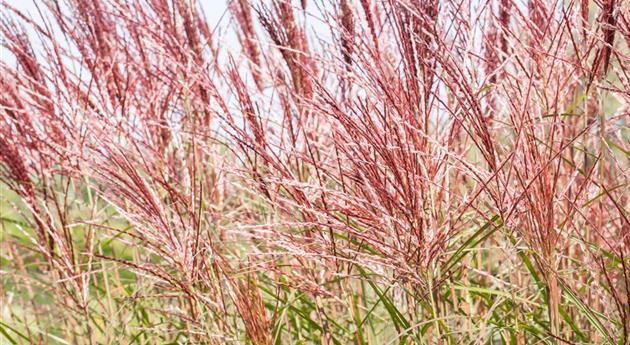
x=315 y=172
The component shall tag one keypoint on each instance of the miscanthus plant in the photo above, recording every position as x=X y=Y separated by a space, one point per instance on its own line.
x=315 y=172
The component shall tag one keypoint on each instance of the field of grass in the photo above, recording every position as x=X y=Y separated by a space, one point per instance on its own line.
x=315 y=172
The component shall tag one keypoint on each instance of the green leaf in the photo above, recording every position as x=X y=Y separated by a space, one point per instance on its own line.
x=6 y=334
x=400 y=322
x=586 y=311
x=479 y=236
x=492 y=292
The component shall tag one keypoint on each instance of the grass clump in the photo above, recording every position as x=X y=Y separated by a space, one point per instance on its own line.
x=348 y=172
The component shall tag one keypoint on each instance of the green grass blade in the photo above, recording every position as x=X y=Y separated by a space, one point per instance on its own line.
x=586 y=311
x=479 y=236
